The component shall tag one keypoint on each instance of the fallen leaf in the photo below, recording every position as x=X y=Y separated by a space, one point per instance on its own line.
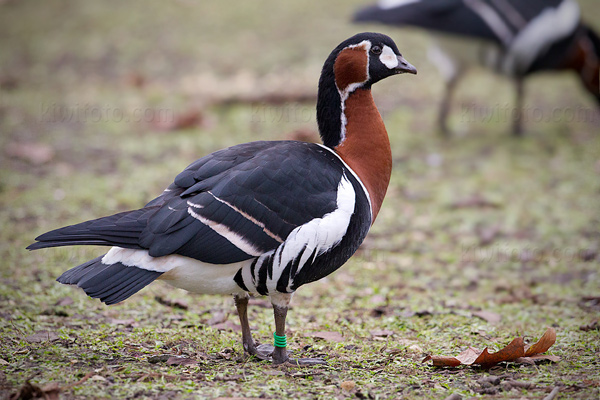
x=34 y=153
x=328 y=336
x=174 y=360
x=33 y=391
x=64 y=301
x=348 y=385
x=443 y=361
x=474 y=201
x=229 y=378
x=226 y=353
x=158 y=359
x=8 y=82
x=488 y=316
x=135 y=79
x=126 y=322
x=469 y=355
x=304 y=135
x=538 y=359
x=545 y=357
x=514 y=351
x=177 y=303
x=171 y=122
x=381 y=333
x=42 y=336
x=543 y=344
x=3 y=361
x=227 y=326
x=218 y=318
x=454 y=396
x=592 y=326
x=525 y=360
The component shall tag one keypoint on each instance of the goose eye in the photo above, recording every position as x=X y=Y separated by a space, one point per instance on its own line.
x=376 y=50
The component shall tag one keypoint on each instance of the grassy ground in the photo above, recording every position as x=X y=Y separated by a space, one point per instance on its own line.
x=479 y=222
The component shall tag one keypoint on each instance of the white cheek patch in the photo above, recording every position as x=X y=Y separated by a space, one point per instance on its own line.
x=388 y=57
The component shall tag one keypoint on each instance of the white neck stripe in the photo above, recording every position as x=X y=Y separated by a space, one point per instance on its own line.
x=344 y=94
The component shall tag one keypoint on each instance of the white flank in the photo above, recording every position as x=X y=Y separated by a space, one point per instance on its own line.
x=492 y=19
x=237 y=240
x=388 y=57
x=316 y=236
x=387 y=4
x=550 y=26
x=366 y=44
x=182 y=272
x=249 y=217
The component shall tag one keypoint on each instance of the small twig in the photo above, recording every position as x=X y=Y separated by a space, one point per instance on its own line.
x=81 y=381
x=553 y=393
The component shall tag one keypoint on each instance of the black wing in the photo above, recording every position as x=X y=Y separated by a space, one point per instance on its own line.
x=495 y=20
x=229 y=206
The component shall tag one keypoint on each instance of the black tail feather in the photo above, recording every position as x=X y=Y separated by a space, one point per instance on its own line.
x=122 y=230
x=109 y=283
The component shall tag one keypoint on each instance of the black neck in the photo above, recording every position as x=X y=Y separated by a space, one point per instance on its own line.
x=329 y=108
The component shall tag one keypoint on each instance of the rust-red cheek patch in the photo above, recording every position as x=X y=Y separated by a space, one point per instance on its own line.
x=351 y=66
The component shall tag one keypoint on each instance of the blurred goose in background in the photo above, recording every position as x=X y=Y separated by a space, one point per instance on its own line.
x=512 y=37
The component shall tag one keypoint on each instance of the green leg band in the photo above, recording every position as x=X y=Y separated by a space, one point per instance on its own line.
x=280 y=341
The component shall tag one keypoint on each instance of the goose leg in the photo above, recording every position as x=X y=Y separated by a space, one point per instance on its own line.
x=241 y=304
x=518 y=120
x=451 y=70
x=280 y=353
x=263 y=351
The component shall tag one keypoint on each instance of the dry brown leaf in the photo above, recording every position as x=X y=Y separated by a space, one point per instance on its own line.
x=218 y=318
x=542 y=345
x=191 y=118
x=174 y=360
x=304 y=135
x=488 y=316
x=34 y=153
x=42 y=336
x=329 y=336
x=474 y=201
x=443 y=361
x=537 y=359
x=32 y=391
x=592 y=326
x=126 y=322
x=514 y=351
x=177 y=303
x=64 y=301
x=227 y=326
x=381 y=333
x=469 y=356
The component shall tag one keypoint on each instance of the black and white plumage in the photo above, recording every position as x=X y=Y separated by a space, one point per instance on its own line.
x=512 y=37
x=261 y=217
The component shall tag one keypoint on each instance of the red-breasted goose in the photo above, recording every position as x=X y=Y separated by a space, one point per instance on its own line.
x=262 y=217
